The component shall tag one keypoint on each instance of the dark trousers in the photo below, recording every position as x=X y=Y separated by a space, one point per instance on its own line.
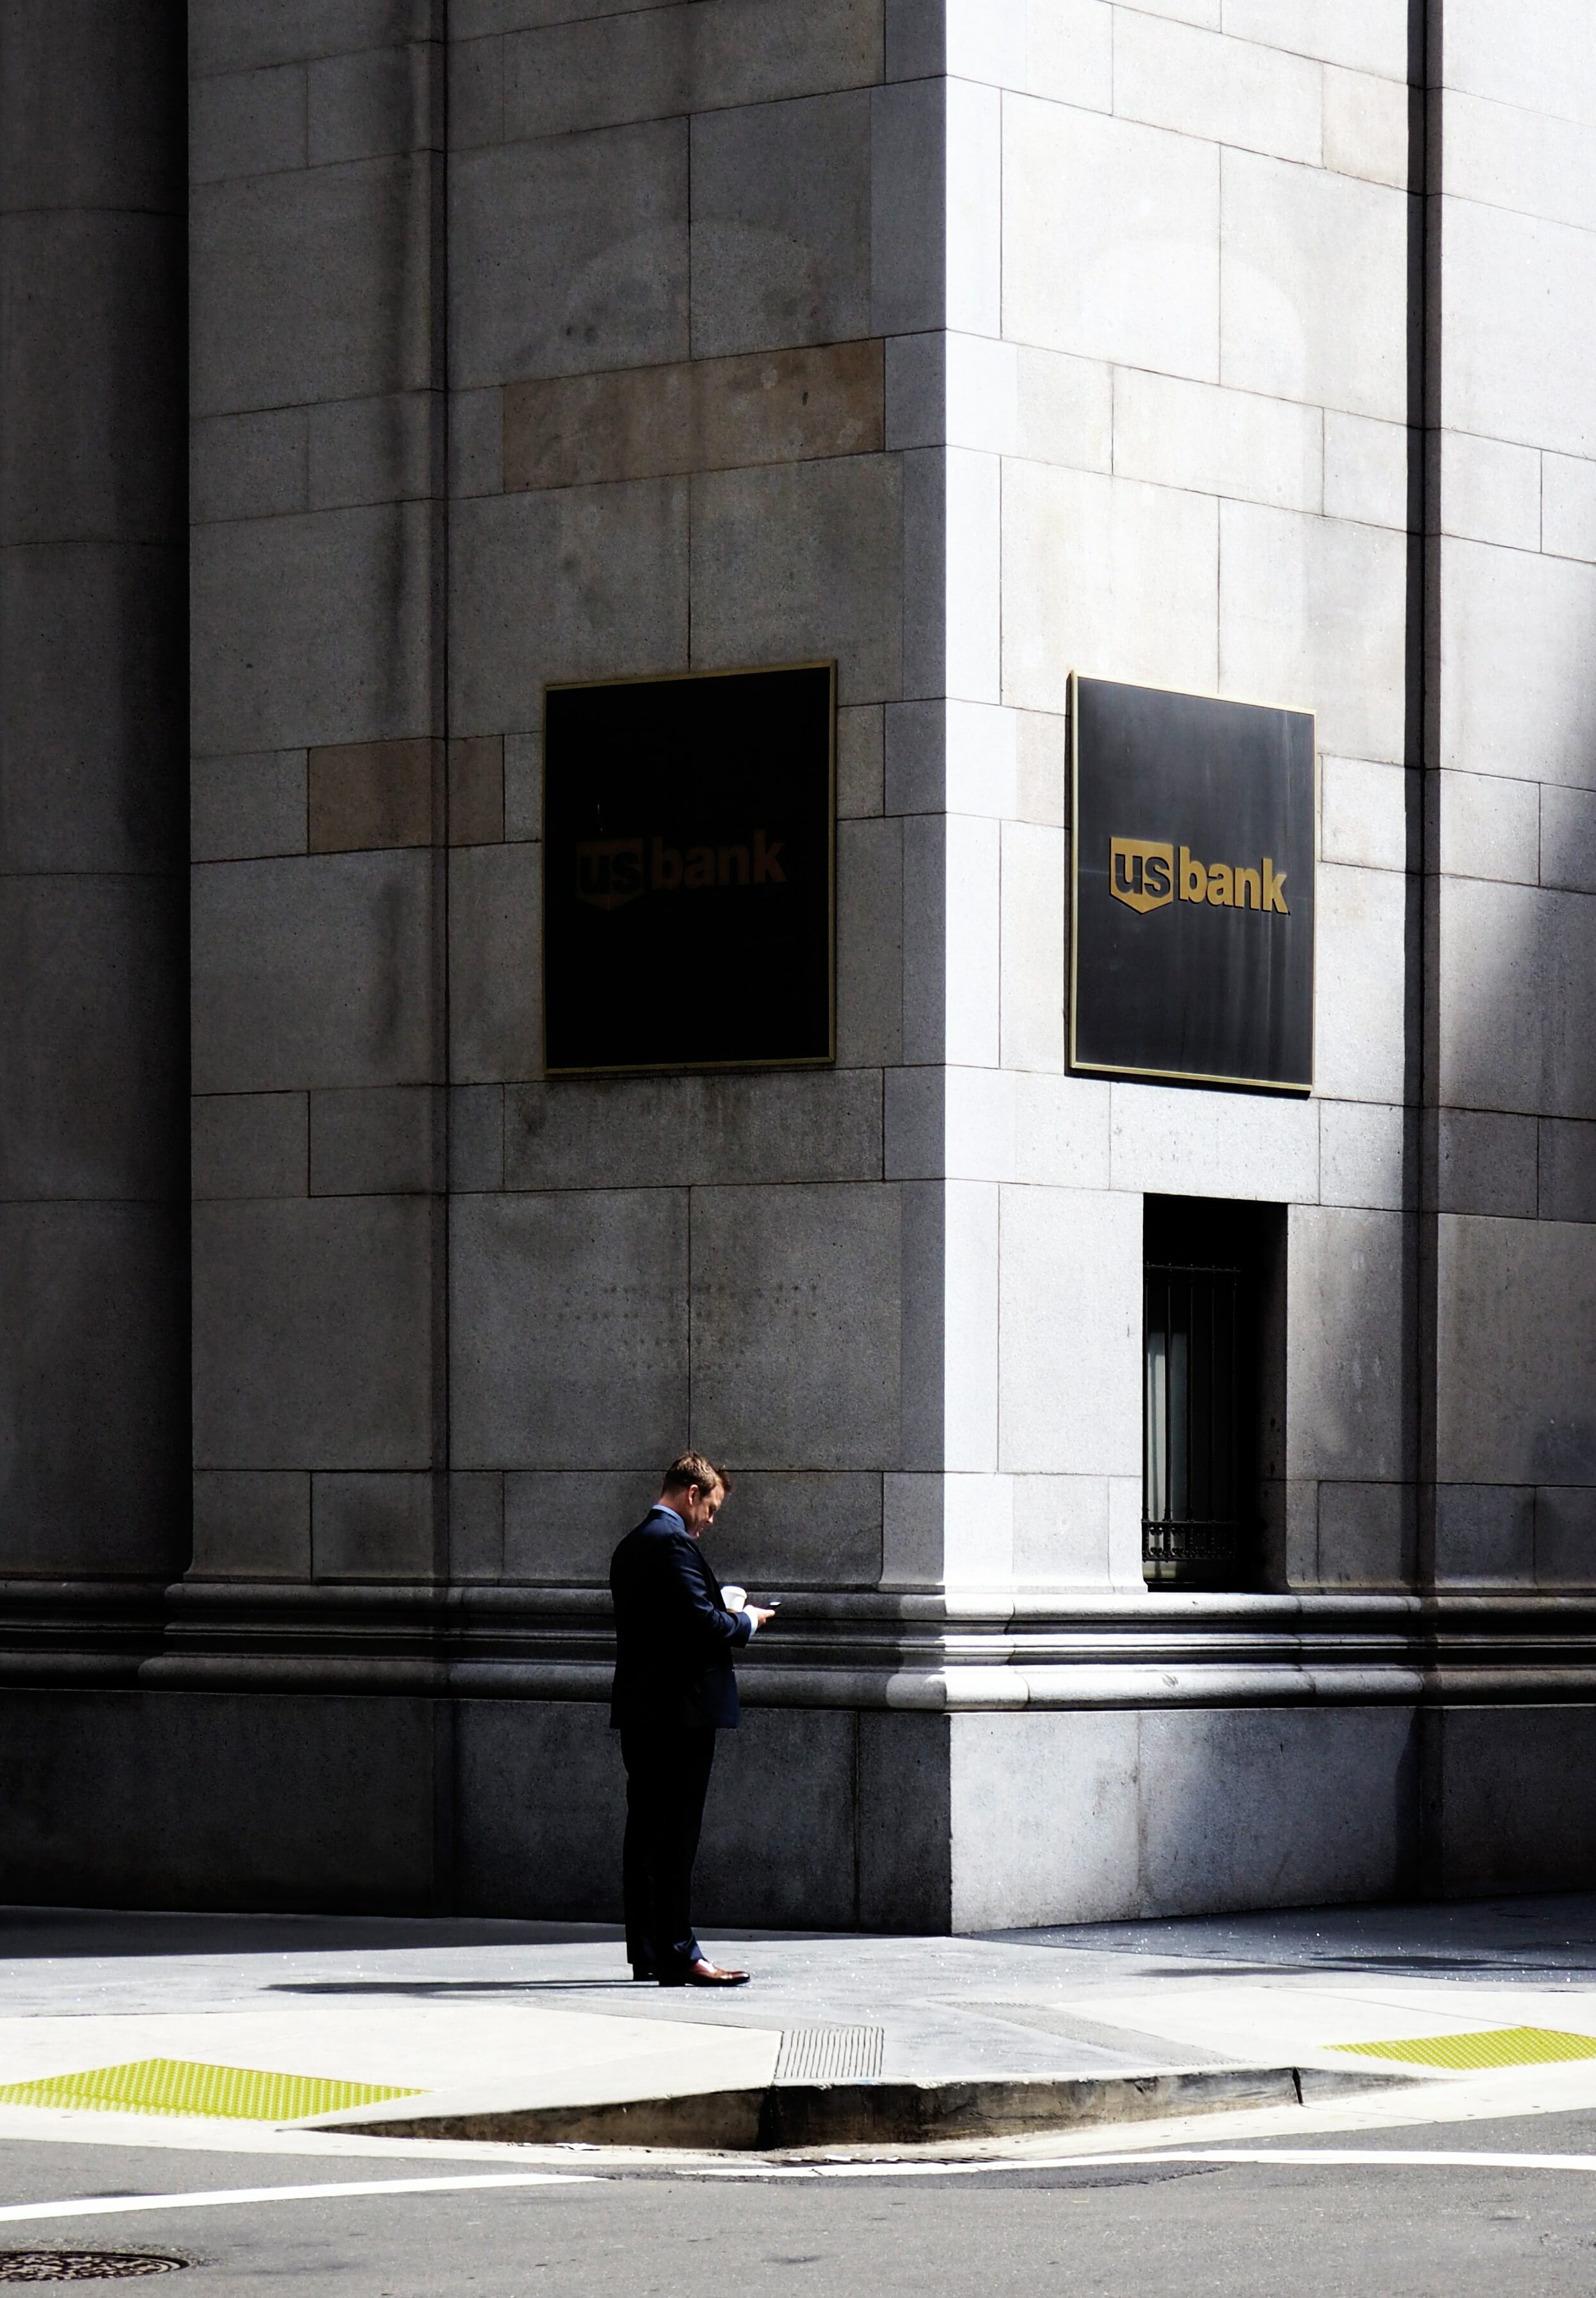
x=667 y=1777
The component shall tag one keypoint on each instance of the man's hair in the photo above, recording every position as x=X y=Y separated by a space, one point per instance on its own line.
x=693 y=1468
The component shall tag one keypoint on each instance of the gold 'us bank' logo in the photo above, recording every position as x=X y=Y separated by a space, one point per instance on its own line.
x=611 y=872
x=1144 y=874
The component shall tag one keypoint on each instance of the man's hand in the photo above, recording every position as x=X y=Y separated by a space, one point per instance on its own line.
x=758 y=1615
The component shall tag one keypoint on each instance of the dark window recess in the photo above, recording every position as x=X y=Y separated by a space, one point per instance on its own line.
x=1212 y=1394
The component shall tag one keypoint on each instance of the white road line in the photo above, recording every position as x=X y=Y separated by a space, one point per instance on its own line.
x=1294 y=2157
x=1360 y=2158
x=114 y=2205
x=1298 y=2157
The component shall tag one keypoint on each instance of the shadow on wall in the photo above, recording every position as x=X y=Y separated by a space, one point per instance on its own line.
x=1515 y=1177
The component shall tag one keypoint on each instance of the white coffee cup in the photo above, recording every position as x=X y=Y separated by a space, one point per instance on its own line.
x=735 y=1598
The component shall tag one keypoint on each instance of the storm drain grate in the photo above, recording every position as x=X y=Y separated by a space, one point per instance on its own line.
x=830 y=2054
x=1493 y=2046
x=85 y=2265
x=186 y=2087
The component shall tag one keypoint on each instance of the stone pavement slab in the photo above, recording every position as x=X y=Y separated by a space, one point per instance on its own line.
x=491 y=2013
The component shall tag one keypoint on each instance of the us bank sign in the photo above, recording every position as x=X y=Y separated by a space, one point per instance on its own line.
x=1191 y=938
x=689 y=827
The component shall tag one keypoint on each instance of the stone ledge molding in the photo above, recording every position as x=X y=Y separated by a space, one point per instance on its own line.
x=861 y=1652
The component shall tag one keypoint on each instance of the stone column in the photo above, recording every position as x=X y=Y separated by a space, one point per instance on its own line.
x=318 y=791
x=92 y=1345
x=1510 y=895
x=1513 y=819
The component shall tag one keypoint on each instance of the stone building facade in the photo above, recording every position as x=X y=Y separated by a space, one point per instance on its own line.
x=1235 y=346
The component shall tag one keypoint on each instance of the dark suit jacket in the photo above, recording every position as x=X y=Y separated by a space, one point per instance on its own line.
x=673 y=1635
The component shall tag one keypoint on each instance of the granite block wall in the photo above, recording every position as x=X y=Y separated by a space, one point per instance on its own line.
x=324 y=791
x=1512 y=566
x=91 y=941
x=1189 y=408
x=1182 y=413
x=619 y=402
x=910 y=1822
x=969 y=346
x=1234 y=345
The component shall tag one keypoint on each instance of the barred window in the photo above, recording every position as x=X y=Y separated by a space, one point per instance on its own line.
x=1203 y=1404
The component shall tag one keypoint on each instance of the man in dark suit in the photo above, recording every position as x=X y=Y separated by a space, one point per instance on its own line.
x=675 y=1689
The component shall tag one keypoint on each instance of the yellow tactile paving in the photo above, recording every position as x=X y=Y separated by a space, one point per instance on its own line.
x=189 y=2087
x=1493 y=2046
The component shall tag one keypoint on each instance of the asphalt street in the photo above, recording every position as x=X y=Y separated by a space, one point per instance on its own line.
x=1122 y=2229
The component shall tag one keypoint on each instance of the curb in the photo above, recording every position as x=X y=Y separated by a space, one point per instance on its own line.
x=880 y=2111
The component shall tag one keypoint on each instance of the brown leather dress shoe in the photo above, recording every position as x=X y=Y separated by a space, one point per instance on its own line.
x=710 y=1974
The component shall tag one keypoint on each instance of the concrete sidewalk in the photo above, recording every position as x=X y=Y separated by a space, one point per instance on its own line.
x=480 y=2017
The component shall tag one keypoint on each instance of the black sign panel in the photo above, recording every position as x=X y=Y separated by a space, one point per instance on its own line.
x=1192 y=913
x=687 y=872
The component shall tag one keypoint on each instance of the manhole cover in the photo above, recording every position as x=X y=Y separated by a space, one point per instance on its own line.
x=84 y=2265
